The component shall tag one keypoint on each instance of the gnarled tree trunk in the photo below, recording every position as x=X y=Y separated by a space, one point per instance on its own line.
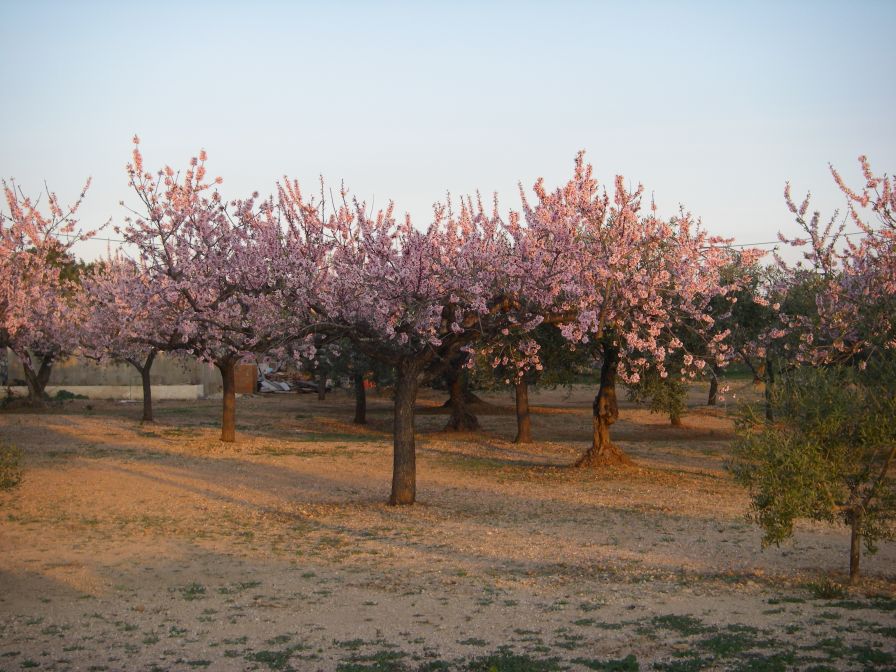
x=228 y=417
x=36 y=380
x=461 y=419
x=404 y=459
x=523 y=421
x=360 y=400
x=769 y=386
x=605 y=412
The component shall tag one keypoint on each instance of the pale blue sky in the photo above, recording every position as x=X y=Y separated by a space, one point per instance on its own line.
x=709 y=104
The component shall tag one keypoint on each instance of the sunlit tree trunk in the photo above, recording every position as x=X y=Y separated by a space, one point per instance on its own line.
x=227 y=367
x=605 y=412
x=523 y=421
x=404 y=465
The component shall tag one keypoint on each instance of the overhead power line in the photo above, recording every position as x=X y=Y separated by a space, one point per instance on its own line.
x=738 y=245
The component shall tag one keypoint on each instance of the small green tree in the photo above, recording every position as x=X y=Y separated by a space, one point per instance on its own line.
x=10 y=465
x=828 y=455
x=662 y=395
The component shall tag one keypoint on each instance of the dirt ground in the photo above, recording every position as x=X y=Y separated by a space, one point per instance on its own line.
x=158 y=547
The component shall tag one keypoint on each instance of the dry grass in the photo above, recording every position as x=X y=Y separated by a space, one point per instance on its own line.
x=129 y=546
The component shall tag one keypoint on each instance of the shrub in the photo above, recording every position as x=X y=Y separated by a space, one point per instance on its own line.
x=10 y=465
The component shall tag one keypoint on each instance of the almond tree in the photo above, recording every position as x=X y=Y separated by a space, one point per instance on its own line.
x=228 y=269
x=638 y=277
x=409 y=297
x=827 y=451
x=38 y=283
x=124 y=319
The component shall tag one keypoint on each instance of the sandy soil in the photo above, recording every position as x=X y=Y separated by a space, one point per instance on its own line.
x=158 y=547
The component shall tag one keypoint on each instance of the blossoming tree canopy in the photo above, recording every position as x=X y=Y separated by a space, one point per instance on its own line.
x=221 y=265
x=855 y=277
x=126 y=320
x=38 y=281
x=637 y=277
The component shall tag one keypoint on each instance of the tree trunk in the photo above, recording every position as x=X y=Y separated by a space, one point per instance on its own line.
x=713 y=391
x=404 y=469
x=228 y=417
x=321 y=385
x=855 y=547
x=675 y=419
x=605 y=412
x=769 y=385
x=523 y=421
x=360 y=400
x=461 y=420
x=36 y=380
x=147 y=388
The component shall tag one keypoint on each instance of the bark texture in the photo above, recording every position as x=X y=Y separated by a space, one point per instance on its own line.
x=360 y=400
x=855 y=547
x=605 y=412
x=404 y=458
x=228 y=418
x=523 y=421
x=37 y=380
x=147 y=387
x=713 y=391
x=321 y=386
x=461 y=419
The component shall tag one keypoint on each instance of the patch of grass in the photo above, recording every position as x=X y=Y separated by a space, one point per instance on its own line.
x=682 y=624
x=774 y=662
x=871 y=657
x=590 y=606
x=627 y=664
x=506 y=661
x=883 y=603
x=825 y=589
x=689 y=662
x=275 y=660
x=332 y=437
x=350 y=644
x=381 y=661
x=193 y=591
x=472 y=641
x=786 y=600
x=724 y=645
